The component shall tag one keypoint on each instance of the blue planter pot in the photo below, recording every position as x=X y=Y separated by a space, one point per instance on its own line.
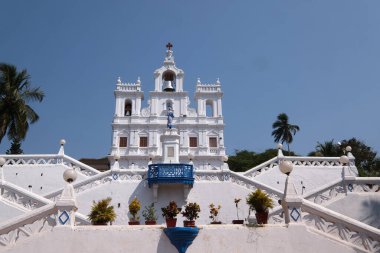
x=181 y=238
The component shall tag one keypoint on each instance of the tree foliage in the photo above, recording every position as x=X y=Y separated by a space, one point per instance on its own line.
x=327 y=149
x=283 y=130
x=15 y=148
x=15 y=94
x=366 y=160
x=244 y=160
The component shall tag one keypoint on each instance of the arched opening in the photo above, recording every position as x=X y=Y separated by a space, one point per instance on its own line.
x=168 y=80
x=209 y=108
x=169 y=104
x=128 y=108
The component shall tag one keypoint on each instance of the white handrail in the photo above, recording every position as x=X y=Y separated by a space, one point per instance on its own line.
x=27 y=218
x=262 y=166
x=18 y=196
x=340 y=227
x=333 y=216
x=81 y=165
x=262 y=186
x=79 y=184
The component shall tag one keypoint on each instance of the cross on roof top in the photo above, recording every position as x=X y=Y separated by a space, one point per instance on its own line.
x=169 y=46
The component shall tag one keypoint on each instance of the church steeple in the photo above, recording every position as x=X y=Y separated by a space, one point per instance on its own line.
x=169 y=78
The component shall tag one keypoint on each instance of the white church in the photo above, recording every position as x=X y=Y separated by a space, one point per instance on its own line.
x=171 y=151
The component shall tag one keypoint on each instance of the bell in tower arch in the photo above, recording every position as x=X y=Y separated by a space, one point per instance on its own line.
x=168 y=78
x=168 y=86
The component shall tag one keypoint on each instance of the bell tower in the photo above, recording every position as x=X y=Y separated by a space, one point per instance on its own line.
x=168 y=88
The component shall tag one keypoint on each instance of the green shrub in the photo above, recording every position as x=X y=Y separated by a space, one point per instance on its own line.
x=101 y=213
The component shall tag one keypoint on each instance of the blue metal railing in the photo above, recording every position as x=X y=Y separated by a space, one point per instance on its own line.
x=165 y=173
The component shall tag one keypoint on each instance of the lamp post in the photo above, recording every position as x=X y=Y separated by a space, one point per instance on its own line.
x=290 y=201
x=2 y=162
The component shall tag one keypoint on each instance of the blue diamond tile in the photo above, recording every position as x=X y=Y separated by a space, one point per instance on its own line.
x=115 y=176
x=64 y=217
x=350 y=187
x=295 y=214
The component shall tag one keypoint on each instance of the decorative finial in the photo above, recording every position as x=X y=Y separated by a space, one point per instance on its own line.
x=119 y=80
x=138 y=80
x=169 y=46
x=198 y=80
x=217 y=81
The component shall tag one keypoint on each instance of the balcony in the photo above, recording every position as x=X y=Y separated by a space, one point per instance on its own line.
x=165 y=173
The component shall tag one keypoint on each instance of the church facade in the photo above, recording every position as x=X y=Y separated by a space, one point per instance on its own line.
x=138 y=132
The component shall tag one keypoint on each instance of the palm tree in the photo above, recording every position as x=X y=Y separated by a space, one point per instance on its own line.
x=328 y=148
x=15 y=93
x=283 y=131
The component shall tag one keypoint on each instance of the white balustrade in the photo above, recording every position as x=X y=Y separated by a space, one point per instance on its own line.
x=340 y=227
x=18 y=196
x=32 y=160
x=20 y=228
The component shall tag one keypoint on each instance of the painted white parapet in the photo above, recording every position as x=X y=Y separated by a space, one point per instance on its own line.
x=327 y=193
x=298 y=161
x=50 y=159
x=20 y=228
x=340 y=227
x=211 y=238
x=21 y=198
x=206 y=87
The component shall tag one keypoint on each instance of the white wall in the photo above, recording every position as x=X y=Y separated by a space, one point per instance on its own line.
x=203 y=193
x=364 y=207
x=222 y=238
x=25 y=175
x=312 y=177
x=8 y=211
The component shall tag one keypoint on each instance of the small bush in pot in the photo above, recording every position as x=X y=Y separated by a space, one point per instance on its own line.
x=101 y=212
x=214 y=211
x=238 y=221
x=170 y=214
x=134 y=208
x=191 y=213
x=149 y=214
x=260 y=202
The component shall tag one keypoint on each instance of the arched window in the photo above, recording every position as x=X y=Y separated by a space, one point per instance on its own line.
x=128 y=108
x=209 y=108
x=169 y=104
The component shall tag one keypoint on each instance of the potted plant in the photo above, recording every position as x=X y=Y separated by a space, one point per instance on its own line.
x=191 y=214
x=170 y=213
x=149 y=214
x=101 y=212
x=214 y=211
x=134 y=208
x=260 y=202
x=238 y=221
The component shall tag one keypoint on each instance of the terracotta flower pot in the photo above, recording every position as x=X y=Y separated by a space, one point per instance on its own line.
x=262 y=217
x=171 y=223
x=237 y=221
x=150 y=222
x=134 y=222
x=189 y=223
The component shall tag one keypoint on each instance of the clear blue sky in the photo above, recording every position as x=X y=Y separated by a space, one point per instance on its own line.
x=317 y=61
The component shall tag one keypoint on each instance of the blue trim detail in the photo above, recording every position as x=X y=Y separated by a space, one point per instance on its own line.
x=64 y=217
x=295 y=214
x=115 y=176
x=165 y=173
x=181 y=237
x=350 y=187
